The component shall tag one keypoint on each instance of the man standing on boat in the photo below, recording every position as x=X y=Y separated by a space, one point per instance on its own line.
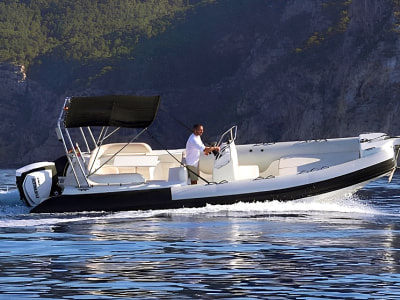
x=194 y=147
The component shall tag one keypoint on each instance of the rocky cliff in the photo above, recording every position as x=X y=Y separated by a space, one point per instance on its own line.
x=280 y=70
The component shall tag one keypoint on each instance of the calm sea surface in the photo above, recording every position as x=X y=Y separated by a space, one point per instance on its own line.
x=341 y=249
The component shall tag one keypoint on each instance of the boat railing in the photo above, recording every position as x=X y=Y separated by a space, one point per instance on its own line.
x=230 y=135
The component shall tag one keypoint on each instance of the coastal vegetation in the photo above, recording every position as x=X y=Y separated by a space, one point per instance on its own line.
x=83 y=30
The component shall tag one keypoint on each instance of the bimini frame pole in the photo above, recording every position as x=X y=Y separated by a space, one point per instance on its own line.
x=61 y=136
x=85 y=140
x=77 y=159
x=92 y=136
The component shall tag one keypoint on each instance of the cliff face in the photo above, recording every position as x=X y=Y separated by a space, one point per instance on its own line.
x=280 y=70
x=341 y=79
x=27 y=118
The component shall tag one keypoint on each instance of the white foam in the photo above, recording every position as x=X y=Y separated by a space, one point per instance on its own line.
x=11 y=206
x=350 y=204
x=37 y=222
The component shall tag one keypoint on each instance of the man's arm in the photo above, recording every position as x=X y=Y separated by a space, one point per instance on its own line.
x=208 y=150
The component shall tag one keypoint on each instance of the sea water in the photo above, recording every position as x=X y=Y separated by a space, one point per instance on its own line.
x=339 y=249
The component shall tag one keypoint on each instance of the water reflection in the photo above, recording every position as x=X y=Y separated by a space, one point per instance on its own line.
x=225 y=253
x=187 y=256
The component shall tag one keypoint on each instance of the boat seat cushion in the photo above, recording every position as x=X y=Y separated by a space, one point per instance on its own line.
x=132 y=178
x=247 y=172
x=136 y=161
x=107 y=170
x=178 y=174
x=103 y=153
x=306 y=163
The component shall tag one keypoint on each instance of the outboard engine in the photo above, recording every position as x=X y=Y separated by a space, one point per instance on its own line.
x=37 y=182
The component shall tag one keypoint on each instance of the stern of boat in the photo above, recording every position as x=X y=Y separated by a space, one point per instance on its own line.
x=37 y=182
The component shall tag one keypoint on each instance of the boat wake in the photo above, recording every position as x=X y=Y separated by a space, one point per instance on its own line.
x=13 y=213
x=348 y=205
x=10 y=204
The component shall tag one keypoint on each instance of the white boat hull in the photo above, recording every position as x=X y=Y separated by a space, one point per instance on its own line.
x=323 y=184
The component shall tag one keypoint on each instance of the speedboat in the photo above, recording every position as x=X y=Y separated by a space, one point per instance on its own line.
x=97 y=175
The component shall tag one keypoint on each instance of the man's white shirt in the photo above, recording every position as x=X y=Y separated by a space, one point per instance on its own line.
x=194 y=147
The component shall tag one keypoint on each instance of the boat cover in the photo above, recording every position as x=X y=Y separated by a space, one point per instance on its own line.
x=112 y=110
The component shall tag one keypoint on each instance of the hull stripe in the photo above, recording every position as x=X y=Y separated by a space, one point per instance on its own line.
x=162 y=199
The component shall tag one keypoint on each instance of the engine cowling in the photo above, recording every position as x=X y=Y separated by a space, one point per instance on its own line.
x=36 y=182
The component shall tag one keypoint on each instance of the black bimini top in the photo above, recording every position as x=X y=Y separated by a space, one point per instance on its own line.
x=113 y=110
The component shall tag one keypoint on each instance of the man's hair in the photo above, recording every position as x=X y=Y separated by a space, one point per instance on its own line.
x=195 y=126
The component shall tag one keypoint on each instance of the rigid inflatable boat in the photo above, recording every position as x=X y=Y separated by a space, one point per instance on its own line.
x=94 y=175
